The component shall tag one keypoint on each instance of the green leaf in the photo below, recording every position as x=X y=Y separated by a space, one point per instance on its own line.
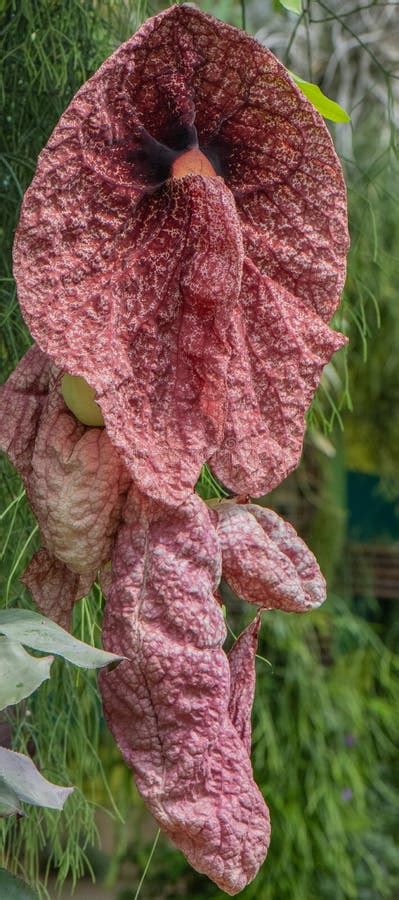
x=328 y=108
x=9 y=802
x=13 y=888
x=42 y=634
x=19 y=774
x=20 y=673
x=294 y=6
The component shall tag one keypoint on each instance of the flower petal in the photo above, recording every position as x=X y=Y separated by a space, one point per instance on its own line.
x=149 y=329
x=134 y=297
x=22 y=400
x=283 y=534
x=77 y=488
x=168 y=705
x=129 y=278
x=242 y=680
x=265 y=562
x=54 y=587
x=289 y=189
x=279 y=351
x=74 y=478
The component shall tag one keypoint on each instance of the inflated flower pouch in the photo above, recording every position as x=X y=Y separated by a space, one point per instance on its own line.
x=179 y=254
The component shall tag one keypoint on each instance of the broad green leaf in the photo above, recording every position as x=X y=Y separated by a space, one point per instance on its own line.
x=20 y=673
x=9 y=802
x=294 y=6
x=42 y=634
x=20 y=775
x=328 y=108
x=12 y=888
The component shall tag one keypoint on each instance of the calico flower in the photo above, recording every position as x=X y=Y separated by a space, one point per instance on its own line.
x=181 y=248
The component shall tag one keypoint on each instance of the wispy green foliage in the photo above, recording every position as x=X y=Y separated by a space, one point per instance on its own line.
x=61 y=726
x=372 y=430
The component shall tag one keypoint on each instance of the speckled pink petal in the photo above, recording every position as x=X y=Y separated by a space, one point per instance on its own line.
x=130 y=278
x=77 y=488
x=74 y=479
x=22 y=400
x=279 y=350
x=283 y=534
x=242 y=681
x=289 y=188
x=54 y=587
x=135 y=298
x=168 y=705
x=148 y=330
x=265 y=561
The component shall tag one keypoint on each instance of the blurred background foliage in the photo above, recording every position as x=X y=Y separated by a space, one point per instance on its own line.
x=325 y=719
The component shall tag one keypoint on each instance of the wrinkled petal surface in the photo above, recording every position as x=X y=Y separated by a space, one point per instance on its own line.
x=54 y=587
x=77 y=488
x=22 y=400
x=270 y=386
x=242 y=681
x=168 y=705
x=74 y=479
x=131 y=278
x=265 y=562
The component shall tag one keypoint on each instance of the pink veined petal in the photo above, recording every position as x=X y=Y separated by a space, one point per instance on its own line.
x=168 y=705
x=130 y=278
x=283 y=534
x=54 y=587
x=279 y=351
x=168 y=413
x=22 y=400
x=265 y=562
x=242 y=681
x=148 y=328
x=136 y=299
x=77 y=487
x=74 y=479
x=289 y=189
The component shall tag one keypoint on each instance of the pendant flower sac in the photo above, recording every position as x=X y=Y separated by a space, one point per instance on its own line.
x=179 y=254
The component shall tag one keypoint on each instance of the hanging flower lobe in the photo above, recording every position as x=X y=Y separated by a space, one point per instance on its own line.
x=168 y=705
x=265 y=562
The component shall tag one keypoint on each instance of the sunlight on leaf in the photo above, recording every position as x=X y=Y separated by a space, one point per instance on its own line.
x=294 y=6
x=9 y=802
x=20 y=775
x=329 y=109
x=42 y=634
x=20 y=673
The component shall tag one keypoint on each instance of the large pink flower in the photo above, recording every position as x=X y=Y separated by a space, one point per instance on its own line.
x=182 y=246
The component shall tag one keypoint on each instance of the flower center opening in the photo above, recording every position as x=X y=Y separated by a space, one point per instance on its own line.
x=176 y=156
x=192 y=162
